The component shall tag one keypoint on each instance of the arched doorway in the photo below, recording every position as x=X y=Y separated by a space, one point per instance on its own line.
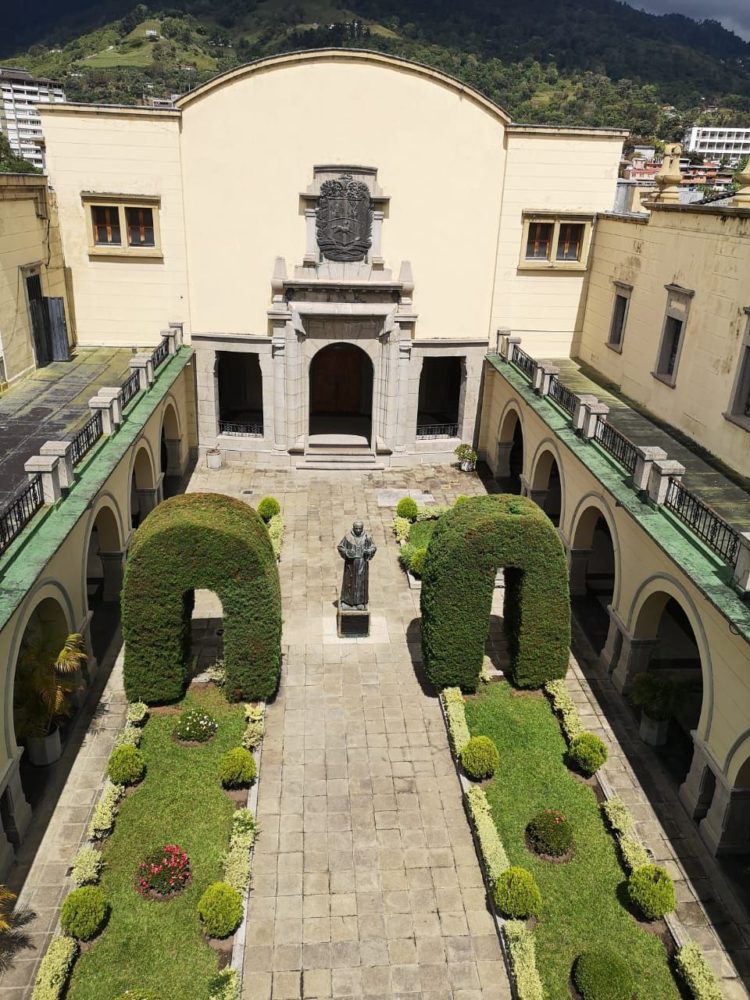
x=669 y=646
x=592 y=575
x=104 y=570
x=341 y=382
x=170 y=458
x=143 y=489
x=546 y=489
x=510 y=453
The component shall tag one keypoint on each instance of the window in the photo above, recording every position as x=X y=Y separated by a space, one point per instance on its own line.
x=739 y=409
x=553 y=240
x=619 y=316
x=123 y=226
x=672 y=337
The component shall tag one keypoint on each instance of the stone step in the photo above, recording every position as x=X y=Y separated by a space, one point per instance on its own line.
x=338 y=464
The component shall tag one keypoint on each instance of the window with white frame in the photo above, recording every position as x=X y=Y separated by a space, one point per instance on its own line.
x=739 y=408
x=555 y=240
x=121 y=225
x=672 y=334
x=620 y=309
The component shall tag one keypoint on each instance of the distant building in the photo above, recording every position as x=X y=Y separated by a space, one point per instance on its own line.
x=733 y=143
x=21 y=95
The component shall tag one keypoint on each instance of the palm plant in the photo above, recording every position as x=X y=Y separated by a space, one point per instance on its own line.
x=45 y=680
x=13 y=937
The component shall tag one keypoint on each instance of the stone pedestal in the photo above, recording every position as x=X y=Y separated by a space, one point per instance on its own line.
x=697 y=790
x=634 y=658
x=114 y=564
x=352 y=624
x=578 y=561
x=727 y=822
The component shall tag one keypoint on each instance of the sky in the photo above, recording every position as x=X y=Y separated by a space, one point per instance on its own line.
x=733 y=14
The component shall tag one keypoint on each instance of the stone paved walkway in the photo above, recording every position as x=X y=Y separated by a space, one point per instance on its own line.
x=366 y=881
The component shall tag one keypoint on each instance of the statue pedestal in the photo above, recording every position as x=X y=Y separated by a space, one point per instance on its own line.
x=352 y=624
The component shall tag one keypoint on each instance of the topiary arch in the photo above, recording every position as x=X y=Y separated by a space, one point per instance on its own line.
x=201 y=541
x=470 y=543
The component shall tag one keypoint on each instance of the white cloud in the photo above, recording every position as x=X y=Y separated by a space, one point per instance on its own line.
x=733 y=14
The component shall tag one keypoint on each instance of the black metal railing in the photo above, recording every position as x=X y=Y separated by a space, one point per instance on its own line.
x=616 y=444
x=160 y=353
x=240 y=429
x=85 y=439
x=130 y=387
x=17 y=514
x=523 y=361
x=704 y=521
x=428 y=432
x=562 y=396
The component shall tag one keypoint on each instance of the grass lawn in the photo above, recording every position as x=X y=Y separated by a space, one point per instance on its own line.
x=153 y=945
x=581 y=907
x=420 y=533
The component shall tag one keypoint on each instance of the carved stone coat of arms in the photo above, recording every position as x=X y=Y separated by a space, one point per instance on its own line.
x=344 y=223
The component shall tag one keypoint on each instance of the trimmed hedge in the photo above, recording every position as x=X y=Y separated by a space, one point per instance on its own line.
x=220 y=910
x=651 y=891
x=479 y=758
x=84 y=912
x=696 y=973
x=522 y=954
x=469 y=544
x=237 y=768
x=455 y=713
x=603 y=975
x=201 y=541
x=588 y=752
x=491 y=847
x=54 y=970
x=516 y=894
x=126 y=765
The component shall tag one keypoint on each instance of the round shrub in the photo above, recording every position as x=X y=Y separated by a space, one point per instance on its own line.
x=84 y=911
x=195 y=726
x=469 y=543
x=587 y=752
x=550 y=833
x=651 y=891
x=164 y=872
x=269 y=507
x=603 y=975
x=479 y=758
x=237 y=768
x=220 y=910
x=407 y=507
x=126 y=766
x=517 y=894
x=230 y=553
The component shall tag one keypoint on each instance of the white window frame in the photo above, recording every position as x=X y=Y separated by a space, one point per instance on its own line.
x=622 y=290
x=121 y=202
x=740 y=397
x=678 y=308
x=556 y=219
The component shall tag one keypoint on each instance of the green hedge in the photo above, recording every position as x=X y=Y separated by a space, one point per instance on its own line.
x=201 y=541
x=470 y=543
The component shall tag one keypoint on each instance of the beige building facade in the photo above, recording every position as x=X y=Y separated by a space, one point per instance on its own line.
x=311 y=344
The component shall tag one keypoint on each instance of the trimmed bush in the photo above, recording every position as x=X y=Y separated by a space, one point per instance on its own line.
x=565 y=707
x=87 y=866
x=54 y=970
x=225 y=985
x=603 y=975
x=126 y=766
x=401 y=528
x=129 y=736
x=517 y=894
x=137 y=713
x=588 y=752
x=105 y=811
x=194 y=725
x=455 y=713
x=237 y=768
x=696 y=973
x=469 y=544
x=213 y=542
x=407 y=507
x=522 y=953
x=276 y=533
x=493 y=852
x=550 y=833
x=220 y=910
x=651 y=891
x=479 y=758
x=83 y=912
x=269 y=507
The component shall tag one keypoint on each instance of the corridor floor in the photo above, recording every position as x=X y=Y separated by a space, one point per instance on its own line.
x=366 y=881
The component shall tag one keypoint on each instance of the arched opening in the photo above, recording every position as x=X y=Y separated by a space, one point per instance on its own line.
x=439 y=398
x=104 y=568
x=143 y=489
x=546 y=489
x=510 y=454
x=206 y=629
x=592 y=575
x=341 y=380
x=668 y=646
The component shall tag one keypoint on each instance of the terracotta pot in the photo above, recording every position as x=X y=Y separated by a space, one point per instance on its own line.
x=653 y=731
x=44 y=751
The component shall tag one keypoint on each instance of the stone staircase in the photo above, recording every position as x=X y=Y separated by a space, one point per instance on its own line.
x=330 y=452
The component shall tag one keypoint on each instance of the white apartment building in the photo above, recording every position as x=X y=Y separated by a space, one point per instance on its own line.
x=20 y=96
x=733 y=143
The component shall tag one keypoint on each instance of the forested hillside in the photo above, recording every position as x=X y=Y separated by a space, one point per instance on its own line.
x=586 y=62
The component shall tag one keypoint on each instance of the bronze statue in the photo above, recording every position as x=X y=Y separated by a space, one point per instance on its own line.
x=356 y=548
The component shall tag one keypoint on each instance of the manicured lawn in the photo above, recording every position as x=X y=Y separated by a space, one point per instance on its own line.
x=158 y=946
x=581 y=907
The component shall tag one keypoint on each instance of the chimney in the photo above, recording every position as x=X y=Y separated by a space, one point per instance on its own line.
x=669 y=177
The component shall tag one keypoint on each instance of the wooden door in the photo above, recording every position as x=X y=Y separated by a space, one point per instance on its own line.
x=336 y=380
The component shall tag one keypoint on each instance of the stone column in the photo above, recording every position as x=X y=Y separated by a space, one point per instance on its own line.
x=613 y=644
x=634 y=658
x=144 y=363
x=106 y=407
x=147 y=499
x=174 y=457
x=278 y=352
x=538 y=496
x=19 y=810
x=726 y=824
x=578 y=561
x=114 y=564
x=503 y=459
x=698 y=788
x=645 y=458
x=114 y=394
x=7 y=854
x=92 y=665
x=46 y=466
x=658 y=480
x=742 y=566
x=405 y=376
x=63 y=450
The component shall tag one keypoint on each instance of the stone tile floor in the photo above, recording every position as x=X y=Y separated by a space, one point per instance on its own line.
x=366 y=882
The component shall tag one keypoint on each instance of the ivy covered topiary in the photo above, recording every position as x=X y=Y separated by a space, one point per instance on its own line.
x=651 y=891
x=201 y=541
x=479 y=758
x=469 y=544
x=603 y=975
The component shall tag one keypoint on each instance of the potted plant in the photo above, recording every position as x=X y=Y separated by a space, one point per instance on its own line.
x=467 y=457
x=213 y=458
x=46 y=677
x=658 y=696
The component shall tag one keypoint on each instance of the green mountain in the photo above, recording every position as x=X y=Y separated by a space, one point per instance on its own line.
x=583 y=62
